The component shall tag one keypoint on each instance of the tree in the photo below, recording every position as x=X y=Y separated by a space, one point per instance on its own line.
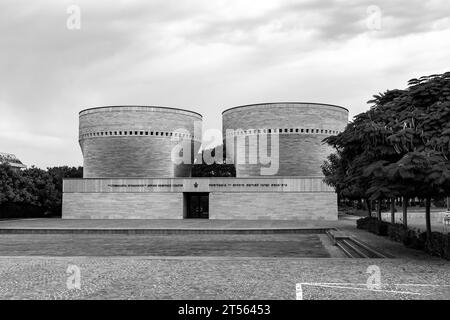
x=57 y=174
x=361 y=143
x=33 y=192
x=14 y=186
x=401 y=144
x=223 y=169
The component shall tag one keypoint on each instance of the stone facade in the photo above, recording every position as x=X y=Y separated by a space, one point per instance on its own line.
x=300 y=129
x=123 y=206
x=121 y=157
x=276 y=206
x=129 y=173
x=222 y=205
x=298 y=155
x=136 y=141
x=229 y=198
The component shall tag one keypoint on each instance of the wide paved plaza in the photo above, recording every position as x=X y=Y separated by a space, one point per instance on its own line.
x=218 y=278
x=211 y=266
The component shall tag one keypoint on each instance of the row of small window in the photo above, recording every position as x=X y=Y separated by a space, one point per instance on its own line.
x=287 y=130
x=136 y=133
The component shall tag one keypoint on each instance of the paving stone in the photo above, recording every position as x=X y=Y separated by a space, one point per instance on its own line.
x=196 y=278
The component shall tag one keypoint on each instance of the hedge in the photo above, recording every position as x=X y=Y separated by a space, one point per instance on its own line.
x=438 y=245
x=20 y=210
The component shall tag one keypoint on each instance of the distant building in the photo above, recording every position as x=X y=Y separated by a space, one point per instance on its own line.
x=11 y=160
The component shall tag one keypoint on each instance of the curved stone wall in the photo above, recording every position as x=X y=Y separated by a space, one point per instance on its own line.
x=298 y=127
x=136 y=141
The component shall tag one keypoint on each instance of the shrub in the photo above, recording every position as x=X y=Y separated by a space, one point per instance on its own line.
x=409 y=237
x=417 y=240
x=21 y=210
x=363 y=223
x=395 y=232
x=440 y=203
x=381 y=228
x=33 y=192
x=373 y=225
x=438 y=245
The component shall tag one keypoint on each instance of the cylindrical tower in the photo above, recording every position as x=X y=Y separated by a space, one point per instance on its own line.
x=136 y=141
x=293 y=133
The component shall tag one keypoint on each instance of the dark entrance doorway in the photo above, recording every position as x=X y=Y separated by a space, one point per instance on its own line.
x=197 y=205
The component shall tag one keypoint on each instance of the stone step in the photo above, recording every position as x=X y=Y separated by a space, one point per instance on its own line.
x=159 y=231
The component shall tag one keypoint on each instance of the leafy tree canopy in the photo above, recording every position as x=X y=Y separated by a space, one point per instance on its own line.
x=401 y=146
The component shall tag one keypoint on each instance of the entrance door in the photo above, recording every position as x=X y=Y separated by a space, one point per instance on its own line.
x=198 y=205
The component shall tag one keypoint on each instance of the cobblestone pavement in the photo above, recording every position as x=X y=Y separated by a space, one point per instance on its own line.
x=219 y=278
x=212 y=267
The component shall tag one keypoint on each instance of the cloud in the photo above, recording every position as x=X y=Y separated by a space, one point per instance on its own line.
x=204 y=55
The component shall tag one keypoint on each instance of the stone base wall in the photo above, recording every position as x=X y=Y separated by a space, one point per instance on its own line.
x=275 y=206
x=222 y=205
x=122 y=206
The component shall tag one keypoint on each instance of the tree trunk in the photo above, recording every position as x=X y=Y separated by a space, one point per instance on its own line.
x=448 y=204
x=405 y=212
x=379 y=210
x=369 y=207
x=392 y=210
x=428 y=217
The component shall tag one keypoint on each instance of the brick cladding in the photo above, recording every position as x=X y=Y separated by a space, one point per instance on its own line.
x=277 y=206
x=300 y=154
x=133 y=156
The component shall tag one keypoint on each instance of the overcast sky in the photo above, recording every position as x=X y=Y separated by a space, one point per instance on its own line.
x=201 y=55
